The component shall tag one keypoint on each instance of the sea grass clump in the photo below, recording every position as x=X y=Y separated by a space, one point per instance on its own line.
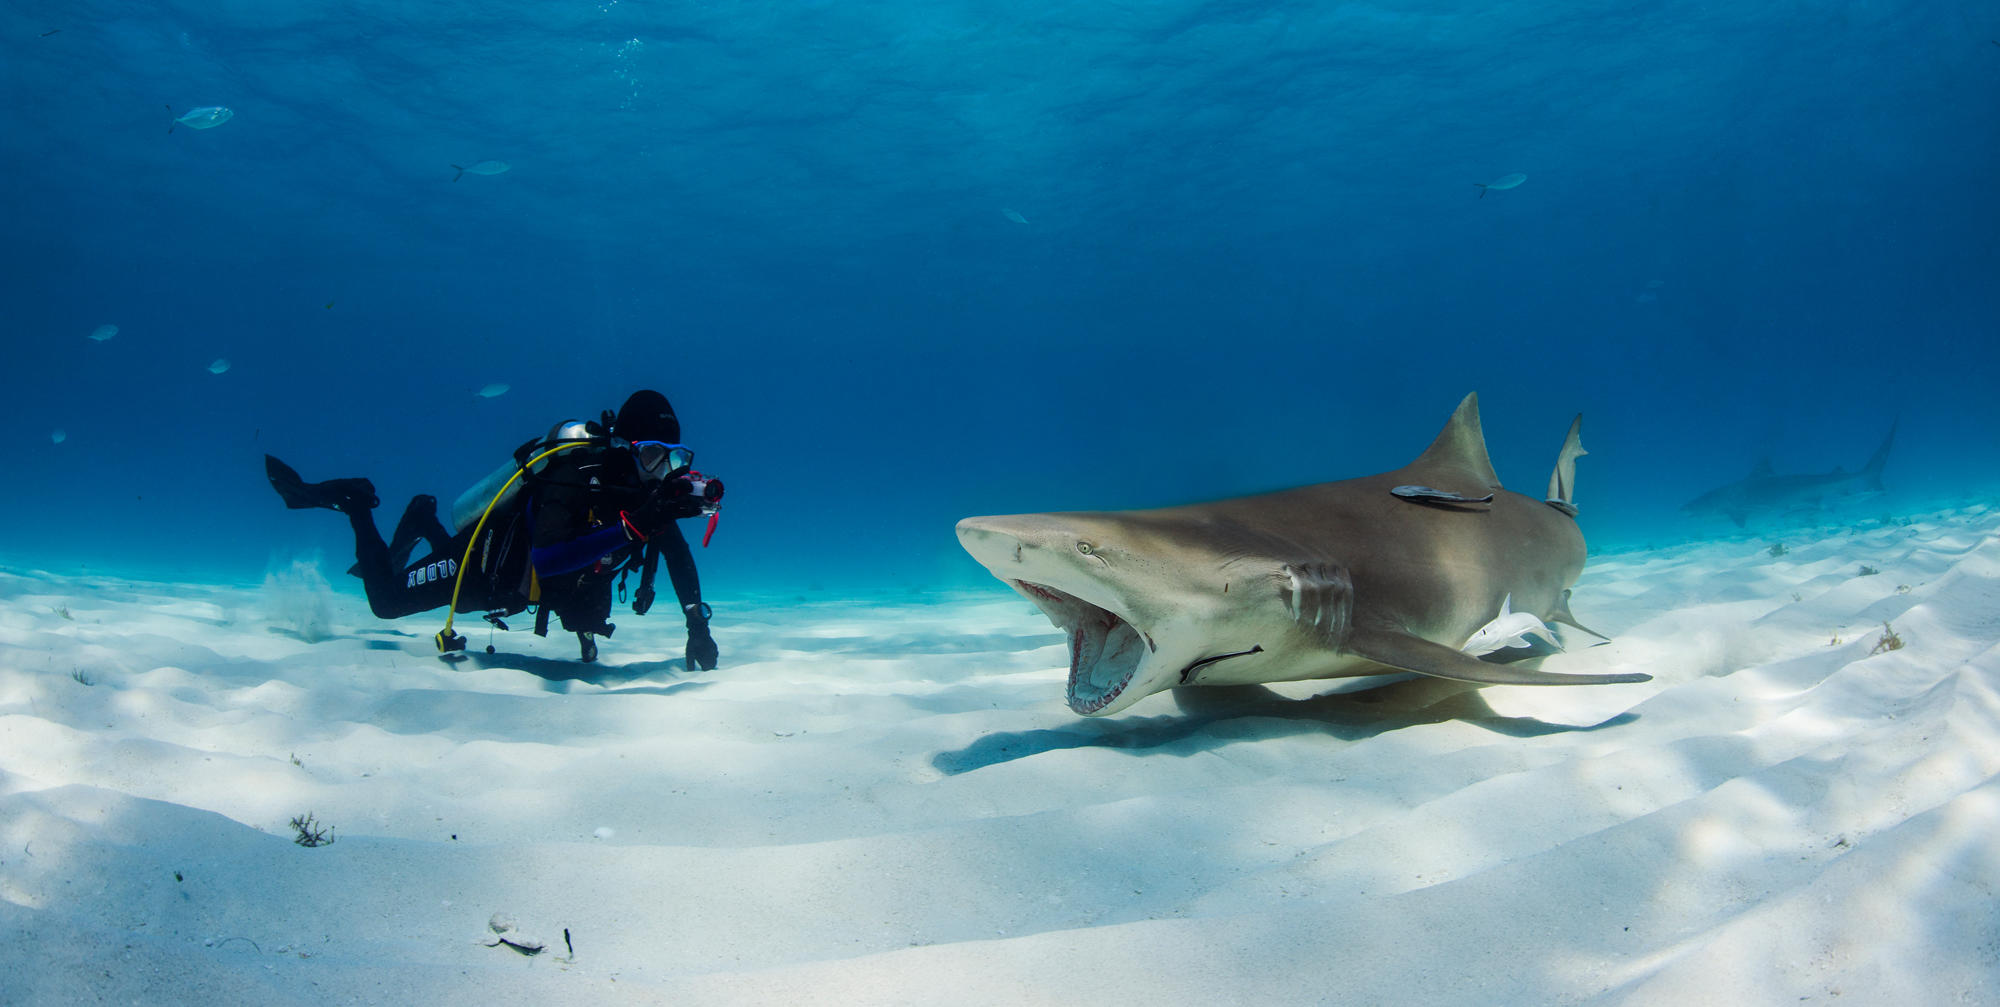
x=311 y=833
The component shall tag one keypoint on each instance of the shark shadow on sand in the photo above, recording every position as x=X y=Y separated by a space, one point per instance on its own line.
x=1214 y=717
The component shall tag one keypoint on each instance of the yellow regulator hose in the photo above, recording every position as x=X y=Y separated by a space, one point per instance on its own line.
x=445 y=638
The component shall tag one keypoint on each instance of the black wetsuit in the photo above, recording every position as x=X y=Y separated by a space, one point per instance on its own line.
x=497 y=582
x=560 y=543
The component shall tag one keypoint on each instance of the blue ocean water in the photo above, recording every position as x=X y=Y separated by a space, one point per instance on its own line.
x=896 y=264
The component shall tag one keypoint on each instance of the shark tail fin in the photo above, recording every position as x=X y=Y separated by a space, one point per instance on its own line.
x=1562 y=482
x=1871 y=473
x=461 y=173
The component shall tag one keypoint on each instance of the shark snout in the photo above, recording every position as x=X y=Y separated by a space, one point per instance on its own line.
x=994 y=541
x=1044 y=549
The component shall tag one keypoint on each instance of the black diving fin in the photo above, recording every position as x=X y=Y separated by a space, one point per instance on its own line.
x=334 y=494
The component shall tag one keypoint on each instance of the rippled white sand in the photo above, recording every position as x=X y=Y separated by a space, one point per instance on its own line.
x=886 y=801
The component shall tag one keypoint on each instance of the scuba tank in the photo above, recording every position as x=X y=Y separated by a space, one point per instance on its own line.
x=486 y=493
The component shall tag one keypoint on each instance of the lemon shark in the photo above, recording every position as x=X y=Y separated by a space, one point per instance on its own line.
x=1376 y=575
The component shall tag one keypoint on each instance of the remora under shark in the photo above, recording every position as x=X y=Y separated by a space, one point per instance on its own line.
x=1764 y=492
x=1390 y=572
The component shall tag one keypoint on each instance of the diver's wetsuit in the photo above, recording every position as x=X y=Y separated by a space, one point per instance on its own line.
x=568 y=521
x=496 y=582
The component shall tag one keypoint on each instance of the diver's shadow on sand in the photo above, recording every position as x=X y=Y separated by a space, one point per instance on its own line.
x=1212 y=717
x=559 y=674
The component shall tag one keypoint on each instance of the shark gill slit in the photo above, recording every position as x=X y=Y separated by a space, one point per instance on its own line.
x=1187 y=673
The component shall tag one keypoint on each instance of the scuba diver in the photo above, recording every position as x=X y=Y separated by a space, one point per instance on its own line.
x=567 y=516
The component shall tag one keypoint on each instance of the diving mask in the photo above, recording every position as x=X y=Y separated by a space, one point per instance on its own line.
x=660 y=460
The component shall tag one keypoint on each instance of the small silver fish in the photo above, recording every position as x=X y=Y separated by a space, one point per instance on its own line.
x=482 y=168
x=1013 y=215
x=103 y=332
x=1503 y=182
x=221 y=364
x=58 y=436
x=206 y=117
x=493 y=391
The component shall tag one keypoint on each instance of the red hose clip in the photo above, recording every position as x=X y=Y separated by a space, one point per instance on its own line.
x=631 y=530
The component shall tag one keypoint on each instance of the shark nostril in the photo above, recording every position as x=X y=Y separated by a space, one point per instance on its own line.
x=1017 y=552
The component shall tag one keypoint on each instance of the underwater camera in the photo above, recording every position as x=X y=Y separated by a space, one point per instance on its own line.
x=706 y=490
x=704 y=497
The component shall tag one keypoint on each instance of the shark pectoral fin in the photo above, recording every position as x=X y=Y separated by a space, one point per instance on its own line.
x=1319 y=597
x=1562 y=615
x=1410 y=653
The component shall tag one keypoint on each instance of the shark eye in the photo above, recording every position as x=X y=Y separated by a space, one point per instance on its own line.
x=1084 y=548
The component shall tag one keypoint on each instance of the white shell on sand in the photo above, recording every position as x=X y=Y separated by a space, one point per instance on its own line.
x=206 y=117
x=493 y=391
x=505 y=929
x=221 y=364
x=103 y=332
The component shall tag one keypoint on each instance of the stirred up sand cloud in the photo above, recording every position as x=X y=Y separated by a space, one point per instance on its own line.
x=886 y=801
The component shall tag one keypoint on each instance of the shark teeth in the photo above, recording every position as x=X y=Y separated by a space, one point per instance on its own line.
x=1104 y=649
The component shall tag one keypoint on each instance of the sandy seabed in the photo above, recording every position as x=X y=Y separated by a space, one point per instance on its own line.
x=886 y=801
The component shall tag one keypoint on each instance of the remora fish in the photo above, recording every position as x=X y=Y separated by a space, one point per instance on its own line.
x=1762 y=492
x=1369 y=576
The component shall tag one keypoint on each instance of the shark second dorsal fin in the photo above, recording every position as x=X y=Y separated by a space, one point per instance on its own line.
x=1562 y=482
x=1460 y=450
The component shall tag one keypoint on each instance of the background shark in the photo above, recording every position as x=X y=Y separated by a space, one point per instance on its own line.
x=1390 y=572
x=1763 y=494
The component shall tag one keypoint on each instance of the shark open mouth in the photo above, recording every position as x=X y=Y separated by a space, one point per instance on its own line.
x=1104 y=649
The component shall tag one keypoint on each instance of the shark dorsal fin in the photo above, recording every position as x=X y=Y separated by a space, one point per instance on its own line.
x=1460 y=449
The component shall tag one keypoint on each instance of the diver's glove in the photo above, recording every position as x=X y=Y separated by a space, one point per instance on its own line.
x=701 y=652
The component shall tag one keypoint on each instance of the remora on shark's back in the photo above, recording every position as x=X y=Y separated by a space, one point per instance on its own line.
x=1385 y=573
x=1763 y=492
